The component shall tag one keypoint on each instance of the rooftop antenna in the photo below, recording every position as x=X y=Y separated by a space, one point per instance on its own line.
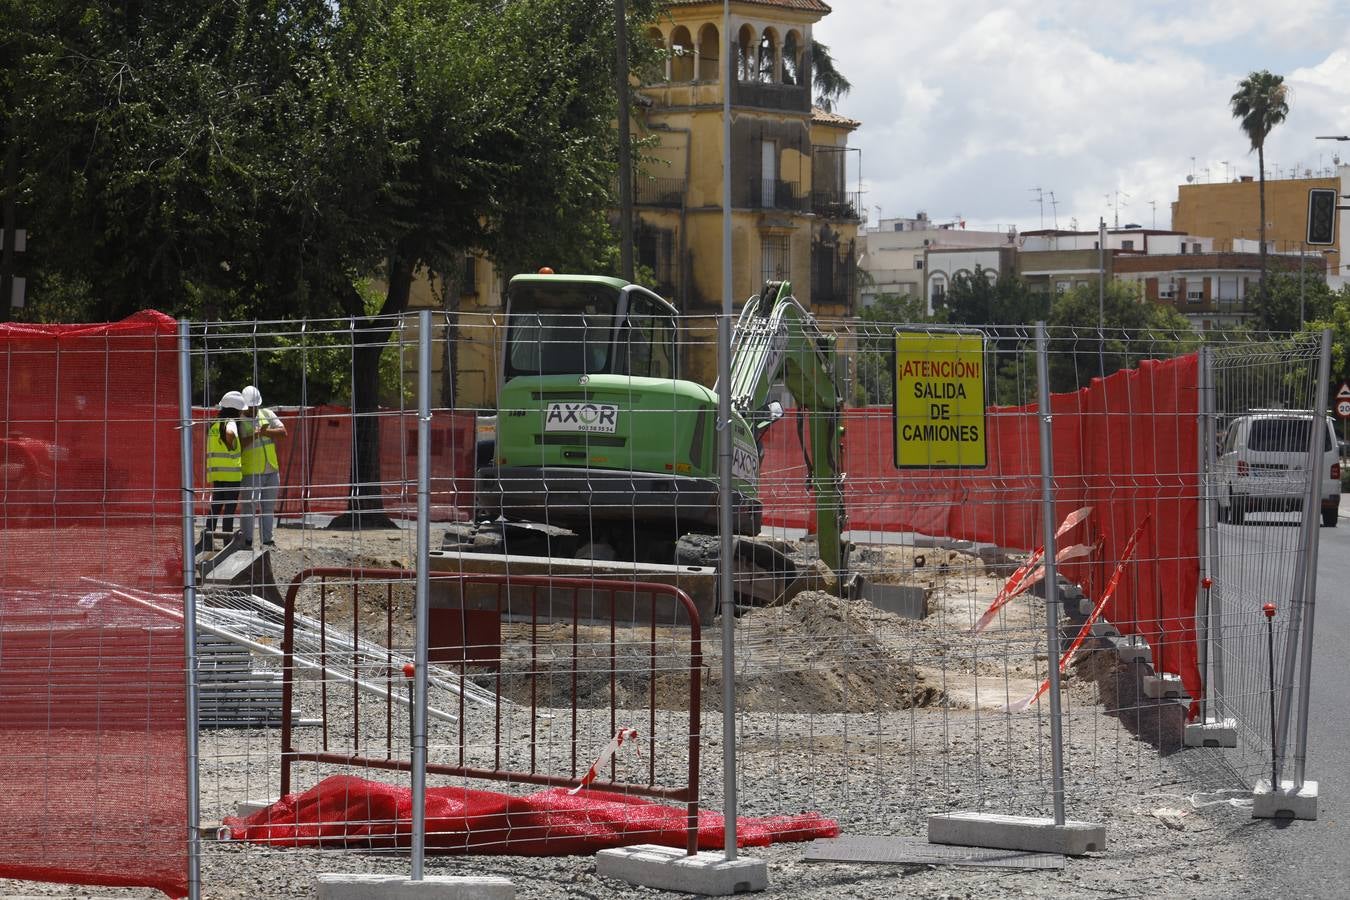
x=1040 y=199
x=1225 y=170
x=1192 y=178
x=1054 y=208
x=1117 y=204
x=1154 y=204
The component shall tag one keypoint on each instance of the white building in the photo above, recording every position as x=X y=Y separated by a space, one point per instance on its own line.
x=893 y=254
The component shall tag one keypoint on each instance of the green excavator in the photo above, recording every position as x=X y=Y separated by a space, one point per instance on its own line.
x=603 y=451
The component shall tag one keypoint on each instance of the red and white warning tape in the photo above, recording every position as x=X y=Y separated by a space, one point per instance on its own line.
x=623 y=734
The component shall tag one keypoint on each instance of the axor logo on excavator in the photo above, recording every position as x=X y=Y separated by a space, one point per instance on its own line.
x=587 y=417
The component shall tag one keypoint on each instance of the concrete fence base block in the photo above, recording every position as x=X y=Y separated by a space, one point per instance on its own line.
x=332 y=886
x=670 y=869
x=245 y=808
x=1163 y=687
x=1212 y=733
x=1134 y=649
x=1039 y=835
x=1103 y=628
x=1291 y=801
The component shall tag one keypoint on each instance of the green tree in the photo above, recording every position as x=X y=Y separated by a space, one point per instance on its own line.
x=975 y=299
x=264 y=158
x=1260 y=103
x=874 y=382
x=1134 y=330
x=829 y=83
x=1291 y=301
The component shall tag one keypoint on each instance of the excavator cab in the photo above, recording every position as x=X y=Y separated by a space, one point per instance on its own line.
x=574 y=325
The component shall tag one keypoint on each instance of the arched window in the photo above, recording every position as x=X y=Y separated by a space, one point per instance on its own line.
x=766 y=63
x=709 y=54
x=681 y=55
x=658 y=40
x=745 y=50
x=792 y=61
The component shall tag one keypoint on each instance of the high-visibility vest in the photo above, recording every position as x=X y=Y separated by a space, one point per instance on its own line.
x=261 y=455
x=223 y=465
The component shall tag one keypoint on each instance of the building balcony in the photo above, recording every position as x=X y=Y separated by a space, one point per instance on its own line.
x=663 y=192
x=845 y=205
x=770 y=193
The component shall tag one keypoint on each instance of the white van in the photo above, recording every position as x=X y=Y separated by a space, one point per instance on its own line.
x=1263 y=461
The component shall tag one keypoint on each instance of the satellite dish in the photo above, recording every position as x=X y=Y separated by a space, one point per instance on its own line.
x=1190 y=178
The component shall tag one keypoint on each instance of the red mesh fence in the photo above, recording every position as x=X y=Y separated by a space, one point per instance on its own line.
x=1125 y=445
x=91 y=686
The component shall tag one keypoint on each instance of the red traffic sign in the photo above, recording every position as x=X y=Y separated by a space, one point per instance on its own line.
x=1344 y=392
x=1343 y=408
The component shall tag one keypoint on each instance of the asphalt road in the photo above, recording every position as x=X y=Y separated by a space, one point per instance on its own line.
x=1312 y=859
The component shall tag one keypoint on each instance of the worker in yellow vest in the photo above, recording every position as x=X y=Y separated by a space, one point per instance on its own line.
x=262 y=472
x=224 y=465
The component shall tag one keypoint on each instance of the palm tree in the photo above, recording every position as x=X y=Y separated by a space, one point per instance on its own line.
x=825 y=78
x=1261 y=103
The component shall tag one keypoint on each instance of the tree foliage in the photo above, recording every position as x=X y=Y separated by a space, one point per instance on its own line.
x=1094 y=336
x=873 y=377
x=1260 y=102
x=827 y=81
x=262 y=158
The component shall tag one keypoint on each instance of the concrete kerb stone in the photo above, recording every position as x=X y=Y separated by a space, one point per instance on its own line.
x=671 y=869
x=332 y=886
x=1040 y=835
x=1291 y=801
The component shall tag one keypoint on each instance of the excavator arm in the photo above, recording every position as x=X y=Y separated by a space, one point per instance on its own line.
x=776 y=338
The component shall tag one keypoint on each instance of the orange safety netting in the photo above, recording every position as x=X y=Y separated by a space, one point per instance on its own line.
x=349 y=812
x=92 y=713
x=1126 y=445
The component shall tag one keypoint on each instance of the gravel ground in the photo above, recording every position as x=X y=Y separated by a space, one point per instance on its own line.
x=871 y=719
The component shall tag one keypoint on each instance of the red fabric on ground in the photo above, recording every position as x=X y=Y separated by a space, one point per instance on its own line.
x=345 y=811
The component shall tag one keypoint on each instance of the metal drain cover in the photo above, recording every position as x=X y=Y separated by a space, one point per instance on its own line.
x=917 y=851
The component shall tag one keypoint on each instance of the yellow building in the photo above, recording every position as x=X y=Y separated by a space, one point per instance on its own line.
x=1230 y=212
x=793 y=216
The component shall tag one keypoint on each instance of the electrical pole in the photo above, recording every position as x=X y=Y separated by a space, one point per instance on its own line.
x=625 y=150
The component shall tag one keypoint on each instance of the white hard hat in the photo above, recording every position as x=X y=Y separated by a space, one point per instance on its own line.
x=252 y=396
x=233 y=400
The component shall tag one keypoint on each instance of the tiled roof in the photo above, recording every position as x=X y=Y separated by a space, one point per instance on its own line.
x=832 y=118
x=807 y=5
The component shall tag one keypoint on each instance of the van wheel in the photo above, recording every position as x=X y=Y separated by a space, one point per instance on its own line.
x=1329 y=517
x=1237 y=510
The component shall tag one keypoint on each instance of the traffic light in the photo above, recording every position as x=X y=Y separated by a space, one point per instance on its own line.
x=1321 y=216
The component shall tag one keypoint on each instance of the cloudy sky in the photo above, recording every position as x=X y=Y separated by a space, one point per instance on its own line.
x=969 y=105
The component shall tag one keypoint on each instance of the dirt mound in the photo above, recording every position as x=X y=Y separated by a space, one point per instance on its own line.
x=814 y=654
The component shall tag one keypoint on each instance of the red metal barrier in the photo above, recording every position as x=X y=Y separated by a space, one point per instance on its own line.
x=528 y=599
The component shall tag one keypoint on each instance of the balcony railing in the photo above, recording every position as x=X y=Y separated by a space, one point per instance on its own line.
x=837 y=204
x=768 y=193
x=667 y=192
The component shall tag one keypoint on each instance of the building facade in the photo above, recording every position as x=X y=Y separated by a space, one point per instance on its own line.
x=794 y=214
x=895 y=253
x=1230 y=212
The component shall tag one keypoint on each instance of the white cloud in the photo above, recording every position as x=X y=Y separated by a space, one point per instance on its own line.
x=967 y=107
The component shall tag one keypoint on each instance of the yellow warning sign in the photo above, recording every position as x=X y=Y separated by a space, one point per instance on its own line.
x=939 y=400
